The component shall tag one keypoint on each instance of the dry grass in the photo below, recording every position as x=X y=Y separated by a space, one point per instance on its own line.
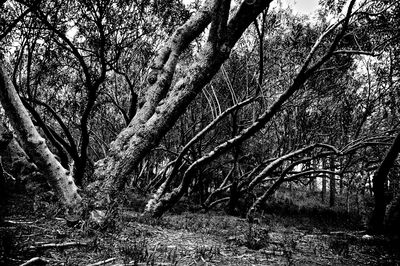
x=185 y=239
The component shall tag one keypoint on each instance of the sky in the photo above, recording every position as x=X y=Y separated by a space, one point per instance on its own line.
x=303 y=7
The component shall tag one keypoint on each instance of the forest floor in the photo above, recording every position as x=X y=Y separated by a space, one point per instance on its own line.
x=188 y=239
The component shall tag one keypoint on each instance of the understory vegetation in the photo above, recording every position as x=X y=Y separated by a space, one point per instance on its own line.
x=285 y=233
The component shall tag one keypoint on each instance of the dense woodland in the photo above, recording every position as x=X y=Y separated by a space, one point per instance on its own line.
x=162 y=107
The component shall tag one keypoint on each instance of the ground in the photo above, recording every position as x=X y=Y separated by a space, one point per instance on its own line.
x=214 y=238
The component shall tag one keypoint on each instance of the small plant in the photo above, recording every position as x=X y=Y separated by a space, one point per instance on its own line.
x=148 y=220
x=136 y=252
x=340 y=246
x=289 y=241
x=7 y=245
x=172 y=256
x=290 y=245
x=256 y=238
x=206 y=253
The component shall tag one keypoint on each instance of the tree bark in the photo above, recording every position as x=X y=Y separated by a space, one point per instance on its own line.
x=163 y=105
x=59 y=178
x=15 y=160
x=5 y=137
x=379 y=179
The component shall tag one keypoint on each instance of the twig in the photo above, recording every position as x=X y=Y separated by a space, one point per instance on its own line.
x=102 y=262
x=17 y=222
x=58 y=245
x=33 y=260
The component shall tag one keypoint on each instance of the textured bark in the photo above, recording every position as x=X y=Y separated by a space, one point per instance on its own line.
x=5 y=137
x=164 y=104
x=59 y=178
x=14 y=157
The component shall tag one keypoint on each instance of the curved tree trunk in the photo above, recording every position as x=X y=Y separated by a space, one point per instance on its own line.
x=164 y=103
x=59 y=178
x=378 y=181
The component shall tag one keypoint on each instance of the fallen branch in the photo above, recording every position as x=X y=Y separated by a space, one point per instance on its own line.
x=16 y=222
x=102 y=262
x=58 y=245
x=34 y=260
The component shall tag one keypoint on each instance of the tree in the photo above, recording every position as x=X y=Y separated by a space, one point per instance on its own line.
x=60 y=178
x=163 y=201
x=68 y=50
x=376 y=224
x=163 y=103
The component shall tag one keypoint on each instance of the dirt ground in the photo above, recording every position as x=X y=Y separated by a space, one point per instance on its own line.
x=184 y=239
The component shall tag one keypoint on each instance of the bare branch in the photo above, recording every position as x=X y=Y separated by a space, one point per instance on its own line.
x=14 y=23
x=355 y=52
x=102 y=262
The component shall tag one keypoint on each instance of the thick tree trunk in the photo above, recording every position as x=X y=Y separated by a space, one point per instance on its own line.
x=59 y=178
x=163 y=105
x=378 y=181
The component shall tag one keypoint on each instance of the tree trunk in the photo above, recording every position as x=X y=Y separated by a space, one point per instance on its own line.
x=14 y=157
x=341 y=176
x=392 y=219
x=234 y=193
x=5 y=138
x=323 y=190
x=163 y=103
x=332 y=184
x=59 y=178
x=378 y=181
x=3 y=196
x=313 y=181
